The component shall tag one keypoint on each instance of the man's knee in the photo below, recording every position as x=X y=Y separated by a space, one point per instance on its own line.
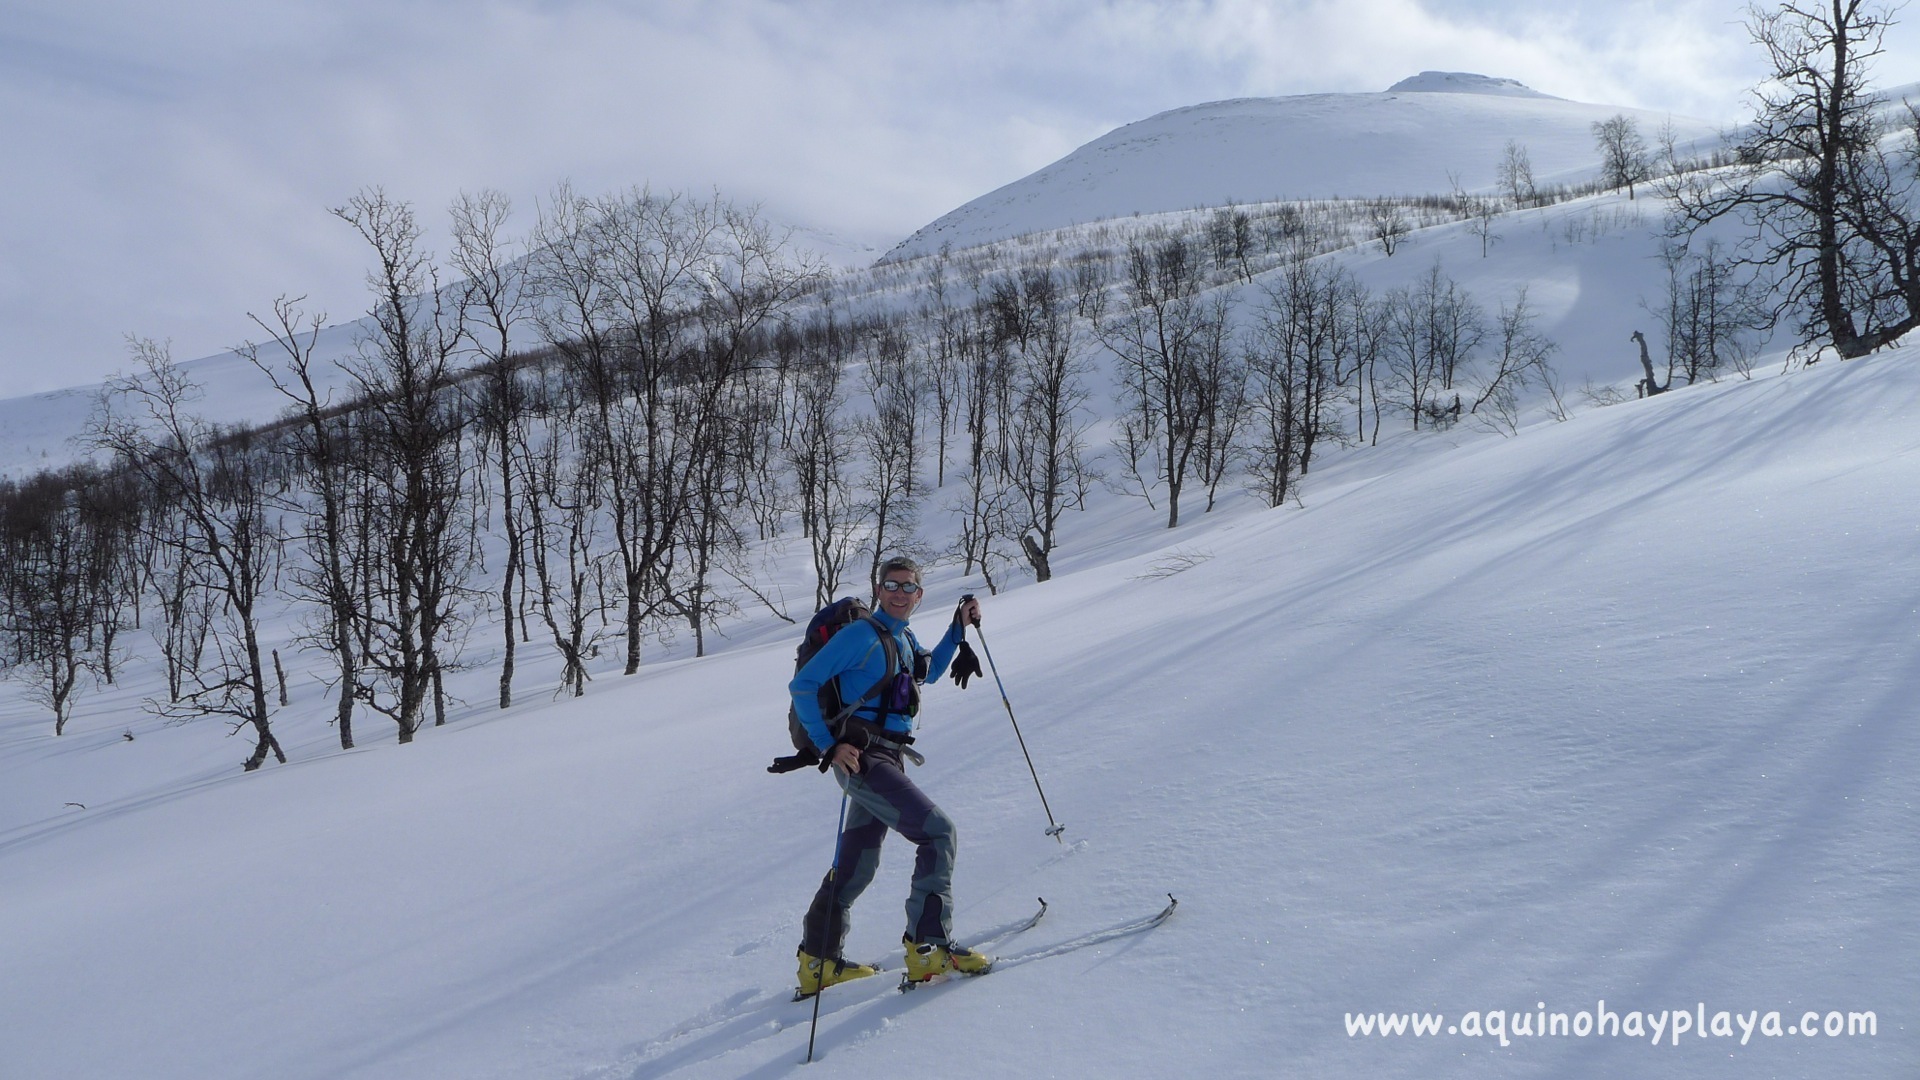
x=940 y=831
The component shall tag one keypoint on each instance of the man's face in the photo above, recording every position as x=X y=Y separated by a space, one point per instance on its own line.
x=899 y=602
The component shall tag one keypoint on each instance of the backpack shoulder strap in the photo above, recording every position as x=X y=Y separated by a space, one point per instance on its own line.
x=874 y=692
x=887 y=642
x=892 y=649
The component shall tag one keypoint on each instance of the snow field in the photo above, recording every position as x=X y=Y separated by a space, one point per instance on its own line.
x=1618 y=709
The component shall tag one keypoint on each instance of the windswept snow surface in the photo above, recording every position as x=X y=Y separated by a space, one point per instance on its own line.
x=1402 y=142
x=1619 y=710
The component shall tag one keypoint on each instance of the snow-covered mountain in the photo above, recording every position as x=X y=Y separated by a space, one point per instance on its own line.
x=1419 y=137
x=1422 y=135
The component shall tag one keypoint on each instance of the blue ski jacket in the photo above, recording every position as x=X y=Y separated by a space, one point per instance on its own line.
x=856 y=657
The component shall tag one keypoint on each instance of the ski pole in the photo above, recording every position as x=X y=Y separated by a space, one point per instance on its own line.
x=833 y=917
x=1053 y=829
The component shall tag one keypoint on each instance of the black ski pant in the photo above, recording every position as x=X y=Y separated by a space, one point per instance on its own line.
x=880 y=797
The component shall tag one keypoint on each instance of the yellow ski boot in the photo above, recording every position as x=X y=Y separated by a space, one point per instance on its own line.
x=927 y=961
x=817 y=972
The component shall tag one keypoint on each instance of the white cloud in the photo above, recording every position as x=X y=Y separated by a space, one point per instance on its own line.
x=171 y=165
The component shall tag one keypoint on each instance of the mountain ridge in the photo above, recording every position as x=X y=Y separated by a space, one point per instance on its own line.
x=1443 y=130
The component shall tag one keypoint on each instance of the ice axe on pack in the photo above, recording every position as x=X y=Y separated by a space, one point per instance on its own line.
x=1054 y=829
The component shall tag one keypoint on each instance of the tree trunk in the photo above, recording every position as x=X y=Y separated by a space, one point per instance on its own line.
x=1037 y=557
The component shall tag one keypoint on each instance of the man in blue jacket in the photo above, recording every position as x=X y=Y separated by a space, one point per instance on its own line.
x=866 y=760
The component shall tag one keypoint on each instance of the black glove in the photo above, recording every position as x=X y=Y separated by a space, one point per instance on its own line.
x=965 y=665
x=800 y=760
x=813 y=757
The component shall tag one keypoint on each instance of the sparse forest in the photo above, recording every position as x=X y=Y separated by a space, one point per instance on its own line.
x=579 y=429
x=578 y=433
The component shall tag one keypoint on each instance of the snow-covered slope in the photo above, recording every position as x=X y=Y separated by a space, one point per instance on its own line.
x=1416 y=138
x=43 y=431
x=1591 y=269
x=1616 y=711
x=46 y=431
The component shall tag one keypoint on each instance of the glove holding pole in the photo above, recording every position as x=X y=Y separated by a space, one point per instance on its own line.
x=1054 y=829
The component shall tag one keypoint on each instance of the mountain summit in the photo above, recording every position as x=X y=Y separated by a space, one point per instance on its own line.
x=1464 y=82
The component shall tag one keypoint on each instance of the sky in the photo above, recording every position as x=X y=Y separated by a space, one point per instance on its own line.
x=168 y=168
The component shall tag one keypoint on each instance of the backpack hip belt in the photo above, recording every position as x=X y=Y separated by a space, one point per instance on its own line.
x=863 y=733
x=860 y=731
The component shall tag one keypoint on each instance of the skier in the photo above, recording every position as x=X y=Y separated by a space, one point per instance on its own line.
x=865 y=757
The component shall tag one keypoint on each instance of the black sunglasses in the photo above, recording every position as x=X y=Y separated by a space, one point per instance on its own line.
x=908 y=587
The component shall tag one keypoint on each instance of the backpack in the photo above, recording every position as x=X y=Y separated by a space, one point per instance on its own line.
x=825 y=623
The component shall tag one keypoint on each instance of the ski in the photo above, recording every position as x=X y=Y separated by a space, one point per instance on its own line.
x=1022 y=927
x=995 y=938
x=1126 y=929
x=1098 y=937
